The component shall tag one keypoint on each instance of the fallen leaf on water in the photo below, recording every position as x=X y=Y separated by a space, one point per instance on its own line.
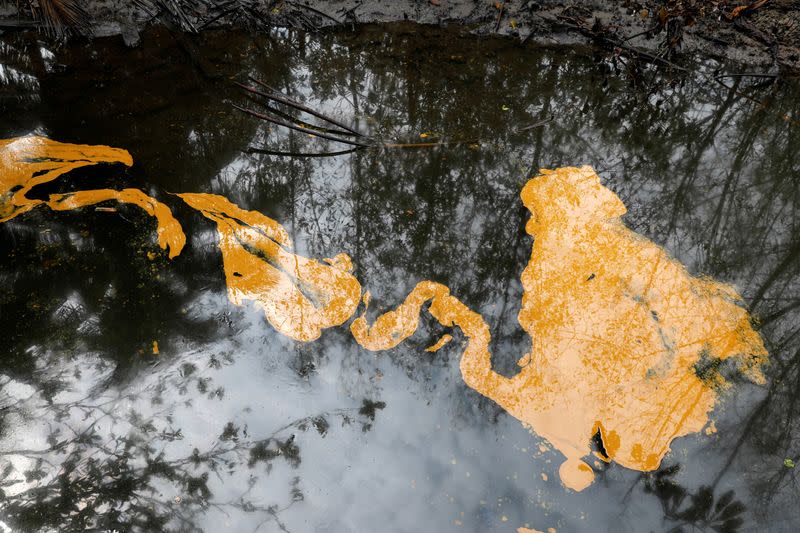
x=739 y=10
x=788 y=463
x=663 y=15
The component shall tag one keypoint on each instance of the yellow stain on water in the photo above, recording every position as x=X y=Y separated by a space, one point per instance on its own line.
x=440 y=343
x=622 y=336
x=618 y=332
x=26 y=162
x=300 y=296
x=169 y=232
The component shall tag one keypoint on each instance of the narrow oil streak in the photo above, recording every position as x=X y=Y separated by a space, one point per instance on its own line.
x=29 y=161
x=273 y=276
x=440 y=343
x=617 y=331
x=169 y=231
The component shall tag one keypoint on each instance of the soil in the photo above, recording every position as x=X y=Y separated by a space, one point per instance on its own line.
x=763 y=34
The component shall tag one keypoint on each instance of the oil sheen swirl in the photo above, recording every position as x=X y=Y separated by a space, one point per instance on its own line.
x=618 y=328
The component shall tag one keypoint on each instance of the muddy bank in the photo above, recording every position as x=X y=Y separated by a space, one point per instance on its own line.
x=757 y=33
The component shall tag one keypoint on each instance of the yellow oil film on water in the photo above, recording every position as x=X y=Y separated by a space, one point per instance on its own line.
x=29 y=161
x=299 y=296
x=618 y=328
x=26 y=162
x=168 y=231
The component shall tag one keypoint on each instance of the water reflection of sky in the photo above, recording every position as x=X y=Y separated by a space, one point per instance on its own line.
x=705 y=171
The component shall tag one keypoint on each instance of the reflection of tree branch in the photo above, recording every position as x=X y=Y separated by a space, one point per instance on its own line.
x=756 y=417
x=701 y=509
x=99 y=469
x=789 y=259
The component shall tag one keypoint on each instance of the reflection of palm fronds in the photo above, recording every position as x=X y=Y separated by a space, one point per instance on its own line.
x=18 y=74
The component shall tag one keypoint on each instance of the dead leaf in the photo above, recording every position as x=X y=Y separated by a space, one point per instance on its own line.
x=737 y=10
x=663 y=15
x=743 y=10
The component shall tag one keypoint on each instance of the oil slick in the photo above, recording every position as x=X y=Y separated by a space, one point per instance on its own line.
x=30 y=161
x=26 y=162
x=392 y=328
x=168 y=231
x=622 y=336
x=618 y=331
x=300 y=296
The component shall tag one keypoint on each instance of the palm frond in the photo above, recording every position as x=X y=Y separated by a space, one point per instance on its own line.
x=59 y=17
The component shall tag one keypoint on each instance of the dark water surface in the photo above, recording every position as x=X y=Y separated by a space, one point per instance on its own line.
x=233 y=427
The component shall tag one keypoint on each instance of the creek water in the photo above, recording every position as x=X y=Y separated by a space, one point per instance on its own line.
x=135 y=396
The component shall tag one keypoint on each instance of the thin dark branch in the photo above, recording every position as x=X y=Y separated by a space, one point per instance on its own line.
x=746 y=75
x=299 y=106
x=287 y=124
x=223 y=13
x=297 y=121
x=635 y=35
x=534 y=125
x=264 y=151
x=432 y=144
x=499 y=16
x=576 y=24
